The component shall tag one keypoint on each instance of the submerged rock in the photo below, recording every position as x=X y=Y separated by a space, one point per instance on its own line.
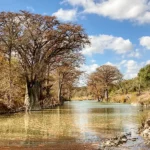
x=114 y=142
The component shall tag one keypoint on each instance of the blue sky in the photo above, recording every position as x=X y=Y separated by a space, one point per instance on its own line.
x=119 y=30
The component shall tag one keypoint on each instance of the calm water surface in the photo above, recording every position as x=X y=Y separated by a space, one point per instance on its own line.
x=76 y=121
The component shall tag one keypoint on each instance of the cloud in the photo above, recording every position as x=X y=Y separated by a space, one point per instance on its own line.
x=101 y=43
x=30 y=8
x=66 y=15
x=109 y=63
x=148 y=62
x=93 y=61
x=134 y=10
x=135 y=54
x=88 y=68
x=145 y=42
x=130 y=68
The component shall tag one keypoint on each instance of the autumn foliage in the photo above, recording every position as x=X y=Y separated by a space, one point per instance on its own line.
x=42 y=46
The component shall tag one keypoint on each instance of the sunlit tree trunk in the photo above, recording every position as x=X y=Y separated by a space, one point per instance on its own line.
x=10 y=79
x=26 y=101
x=59 y=92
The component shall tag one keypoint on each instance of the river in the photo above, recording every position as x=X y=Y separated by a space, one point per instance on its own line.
x=75 y=122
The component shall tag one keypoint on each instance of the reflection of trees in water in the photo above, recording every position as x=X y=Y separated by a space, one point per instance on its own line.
x=66 y=122
x=112 y=120
x=26 y=123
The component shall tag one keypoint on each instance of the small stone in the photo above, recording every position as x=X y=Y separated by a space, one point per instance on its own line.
x=128 y=133
x=133 y=139
x=124 y=139
x=108 y=143
x=112 y=144
x=116 y=142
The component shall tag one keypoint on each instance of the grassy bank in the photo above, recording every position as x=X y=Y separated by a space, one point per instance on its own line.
x=134 y=98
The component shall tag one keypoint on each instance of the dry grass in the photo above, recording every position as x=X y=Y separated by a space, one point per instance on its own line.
x=143 y=99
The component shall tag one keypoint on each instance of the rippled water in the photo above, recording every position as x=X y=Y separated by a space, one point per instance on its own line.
x=76 y=121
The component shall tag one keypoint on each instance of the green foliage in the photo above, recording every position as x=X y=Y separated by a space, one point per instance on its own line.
x=144 y=75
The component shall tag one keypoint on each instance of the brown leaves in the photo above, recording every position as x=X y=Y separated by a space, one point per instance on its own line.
x=102 y=78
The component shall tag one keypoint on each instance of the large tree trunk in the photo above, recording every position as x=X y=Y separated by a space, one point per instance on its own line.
x=106 y=94
x=10 y=80
x=26 y=100
x=33 y=92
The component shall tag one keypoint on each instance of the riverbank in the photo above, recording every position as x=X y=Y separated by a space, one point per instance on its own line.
x=144 y=130
x=6 y=109
x=132 y=98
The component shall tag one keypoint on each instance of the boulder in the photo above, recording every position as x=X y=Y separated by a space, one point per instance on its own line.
x=148 y=123
x=146 y=133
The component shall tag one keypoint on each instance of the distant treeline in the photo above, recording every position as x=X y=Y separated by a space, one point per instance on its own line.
x=107 y=80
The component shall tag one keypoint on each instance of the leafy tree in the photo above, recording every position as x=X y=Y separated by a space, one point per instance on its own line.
x=66 y=77
x=144 y=75
x=17 y=84
x=95 y=86
x=9 y=29
x=104 y=77
x=39 y=42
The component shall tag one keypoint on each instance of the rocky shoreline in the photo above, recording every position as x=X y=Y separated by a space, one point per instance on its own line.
x=117 y=141
x=120 y=140
x=145 y=132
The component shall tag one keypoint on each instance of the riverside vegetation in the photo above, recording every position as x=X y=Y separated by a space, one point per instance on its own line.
x=39 y=56
x=106 y=84
x=39 y=61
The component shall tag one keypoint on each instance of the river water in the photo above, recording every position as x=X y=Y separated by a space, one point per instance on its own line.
x=75 y=122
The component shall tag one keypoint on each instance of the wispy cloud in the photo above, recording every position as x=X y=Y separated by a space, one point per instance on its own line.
x=30 y=8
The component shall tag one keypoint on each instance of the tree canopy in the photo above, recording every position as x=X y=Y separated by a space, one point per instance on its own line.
x=41 y=44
